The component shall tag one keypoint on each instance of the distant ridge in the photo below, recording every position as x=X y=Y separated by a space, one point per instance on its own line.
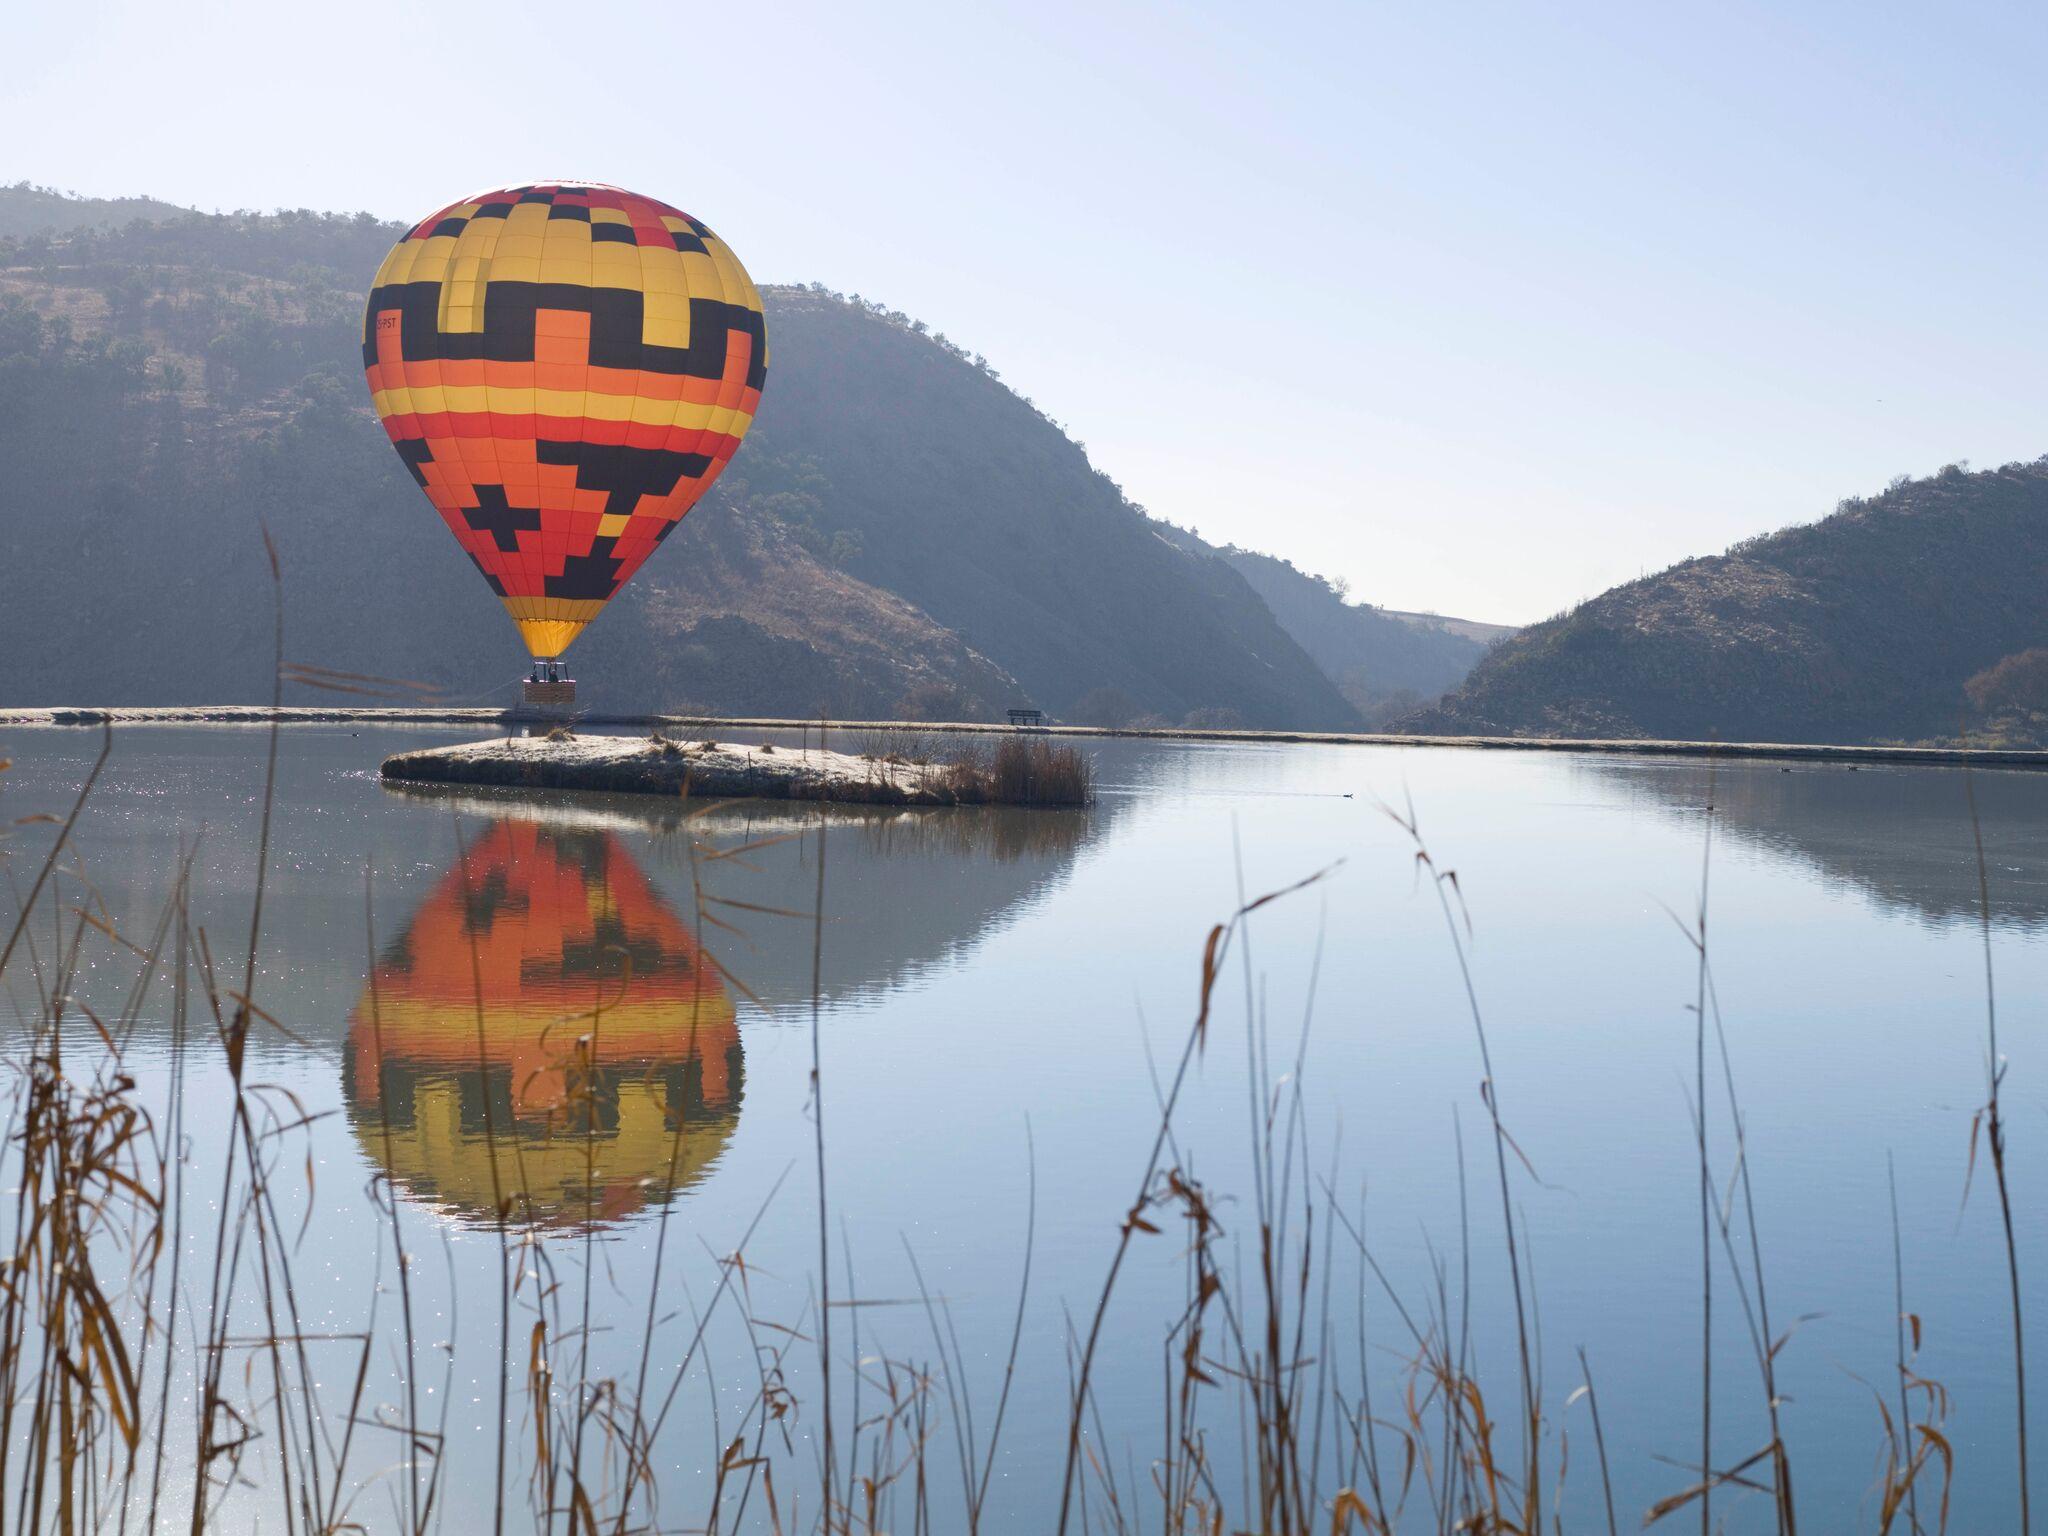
x=1471 y=629
x=1862 y=627
x=27 y=210
x=1386 y=663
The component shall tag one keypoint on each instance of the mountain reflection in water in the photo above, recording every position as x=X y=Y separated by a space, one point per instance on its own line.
x=911 y=889
x=1901 y=835
x=544 y=1002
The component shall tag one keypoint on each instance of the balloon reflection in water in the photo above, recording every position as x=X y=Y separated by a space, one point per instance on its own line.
x=549 y=1003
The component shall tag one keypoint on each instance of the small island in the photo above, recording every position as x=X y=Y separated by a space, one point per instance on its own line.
x=1019 y=771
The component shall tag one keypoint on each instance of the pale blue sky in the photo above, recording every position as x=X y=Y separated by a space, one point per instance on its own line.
x=1483 y=306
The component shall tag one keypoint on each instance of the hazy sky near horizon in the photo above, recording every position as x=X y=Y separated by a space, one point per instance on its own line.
x=1486 y=307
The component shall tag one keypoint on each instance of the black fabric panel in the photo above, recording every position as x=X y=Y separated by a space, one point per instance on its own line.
x=499 y=518
x=625 y=474
x=595 y=575
x=617 y=318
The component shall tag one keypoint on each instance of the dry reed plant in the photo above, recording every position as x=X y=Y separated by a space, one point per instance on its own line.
x=1018 y=770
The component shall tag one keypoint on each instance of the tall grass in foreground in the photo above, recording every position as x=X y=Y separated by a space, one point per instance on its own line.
x=1279 y=1408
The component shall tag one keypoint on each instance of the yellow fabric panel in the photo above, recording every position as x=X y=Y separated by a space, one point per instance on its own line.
x=613 y=265
x=430 y=261
x=667 y=325
x=515 y=269
x=462 y=308
x=661 y=272
x=527 y=219
x=553 y=607
x=513 y=242
x=700 y=274
x=723 y=264
x=564 y=263
x=749 y=294
x=397 y=265
x=667 y=306
x=509 y=400
x=548 y=638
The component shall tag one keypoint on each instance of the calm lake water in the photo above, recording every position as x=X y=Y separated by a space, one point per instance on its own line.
x=987 y=986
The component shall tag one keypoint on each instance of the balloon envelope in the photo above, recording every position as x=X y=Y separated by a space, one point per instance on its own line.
x=565 y=368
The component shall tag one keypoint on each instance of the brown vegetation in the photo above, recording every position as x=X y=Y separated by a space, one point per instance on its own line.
x=2019 y=681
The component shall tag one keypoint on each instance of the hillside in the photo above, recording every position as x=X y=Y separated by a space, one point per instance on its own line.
x=27 y=210
x=152 y=586
x=1472 y=629
x=901 y=532
x=1387 y=664
x=963 y=499
x=1864 y=626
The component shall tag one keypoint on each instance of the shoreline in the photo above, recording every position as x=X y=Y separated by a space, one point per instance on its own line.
x=259 y=714
x=655 y=765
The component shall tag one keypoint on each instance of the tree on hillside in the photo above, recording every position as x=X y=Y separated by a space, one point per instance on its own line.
x=1110 y=708
x=937 y=700
x=2018 y=681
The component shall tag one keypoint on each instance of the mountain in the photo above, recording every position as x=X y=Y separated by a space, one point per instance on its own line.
x=152 y=586
x=952 y=492
x=1386 y=663
x=901 y=533
x=1865 y=626
x=27 y=211
x=1472 y=629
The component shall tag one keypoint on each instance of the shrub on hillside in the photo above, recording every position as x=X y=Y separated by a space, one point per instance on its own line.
x=936 y=699
x=2018 y=681
x=1110 y=708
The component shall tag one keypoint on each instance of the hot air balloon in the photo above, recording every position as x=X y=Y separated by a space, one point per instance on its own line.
x=584 y=1062
x=565 y=368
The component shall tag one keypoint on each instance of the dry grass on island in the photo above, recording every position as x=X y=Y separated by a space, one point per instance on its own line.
x=883 y=770
x=1019 y=770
